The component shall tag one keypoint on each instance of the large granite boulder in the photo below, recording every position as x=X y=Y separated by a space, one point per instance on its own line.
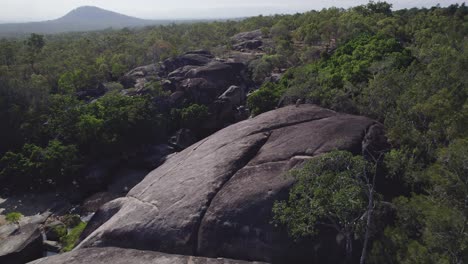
x=113 y=255
x=214 y=198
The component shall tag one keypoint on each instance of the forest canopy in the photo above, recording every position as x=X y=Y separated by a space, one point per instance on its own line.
x=405 y=68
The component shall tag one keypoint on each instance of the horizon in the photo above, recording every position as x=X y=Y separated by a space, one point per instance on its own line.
x=209 y=9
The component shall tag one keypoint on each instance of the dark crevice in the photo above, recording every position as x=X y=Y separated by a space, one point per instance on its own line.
x=282 y=160
x=275 y=127
x=241 y=163
x=372 y=147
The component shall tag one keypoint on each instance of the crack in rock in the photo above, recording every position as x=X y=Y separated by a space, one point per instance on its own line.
x=251 y=153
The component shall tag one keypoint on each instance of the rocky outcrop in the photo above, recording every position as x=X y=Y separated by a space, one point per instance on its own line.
x=249 y=35
x=194 y=77
x=99 y=91
x=228 y=108
x=214 y=199
x=193 y=58
x=248 y=40
x=126 y=256
x=23 y=244
x=140 y=75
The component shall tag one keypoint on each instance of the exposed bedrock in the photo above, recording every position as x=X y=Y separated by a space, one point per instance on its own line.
x=214 y=198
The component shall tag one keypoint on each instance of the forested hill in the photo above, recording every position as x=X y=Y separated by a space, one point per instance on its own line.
x=69 y=101
x=85 y=18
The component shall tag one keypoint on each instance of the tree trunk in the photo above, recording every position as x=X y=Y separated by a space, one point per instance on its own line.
x=32 y=67
x=349 y=247
x=370 y=210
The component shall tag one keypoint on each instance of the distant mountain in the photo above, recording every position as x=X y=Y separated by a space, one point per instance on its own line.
x=85 y=18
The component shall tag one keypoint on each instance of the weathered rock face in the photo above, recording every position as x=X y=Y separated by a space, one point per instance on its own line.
x=214 y=198
x=249 y=35
x=247 y=40
x=227 y=108
x=18 y=246
x=125 y=256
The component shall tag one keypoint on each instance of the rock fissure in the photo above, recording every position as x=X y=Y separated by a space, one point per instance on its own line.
x=295 y=155
x=276 y=127
x=251 y=153
x=141 y=201
x=371 y=146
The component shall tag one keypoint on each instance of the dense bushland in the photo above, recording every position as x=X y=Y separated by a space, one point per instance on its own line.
x=405 y=68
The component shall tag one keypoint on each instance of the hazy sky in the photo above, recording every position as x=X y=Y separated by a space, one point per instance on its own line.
x=35 y=10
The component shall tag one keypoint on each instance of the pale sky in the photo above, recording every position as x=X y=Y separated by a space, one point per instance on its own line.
x=37 y=10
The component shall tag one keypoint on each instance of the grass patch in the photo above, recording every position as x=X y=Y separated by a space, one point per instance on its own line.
x=69 y=241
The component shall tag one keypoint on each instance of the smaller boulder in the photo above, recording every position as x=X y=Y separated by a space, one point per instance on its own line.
x=20 y=245
x=130 y=79
x=182 y=139
x=235 y=95
x=55 y=230
x=52 y=246
x=242 y=113
x=189 y=58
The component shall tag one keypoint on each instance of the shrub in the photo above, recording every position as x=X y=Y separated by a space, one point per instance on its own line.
x=264 y=99
x=192 y=116
x=14 y=217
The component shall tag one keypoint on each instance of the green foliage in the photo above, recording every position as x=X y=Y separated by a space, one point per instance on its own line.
x=53 y=164
x=8 y=52
x=60 y=230
x=192 y=116
x=71 y=220
x=264 y=99
x=375 y=8
x=34 y=45
x=110 y=124
x=407 y=74
x=71 y=239
x=74 y=81
x=431 y=226
x=328 y=190
x=405 y=68
x=13 y=217
x=125 y=120
x=263 y=67
x=335 y=82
